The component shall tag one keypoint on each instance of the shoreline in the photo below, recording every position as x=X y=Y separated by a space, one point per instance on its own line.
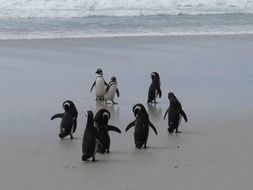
x=134 y=36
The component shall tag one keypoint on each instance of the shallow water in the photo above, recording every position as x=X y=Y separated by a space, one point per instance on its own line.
x=104 y=26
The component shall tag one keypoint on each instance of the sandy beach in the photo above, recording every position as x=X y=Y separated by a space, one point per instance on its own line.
x=212 y=76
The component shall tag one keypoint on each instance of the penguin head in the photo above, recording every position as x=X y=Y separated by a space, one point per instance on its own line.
x=171 y=96
x=137 y=108
x=99 y=71
x=155 y=75
x=113 y=79
x=106 y=115
x=66 y=106
x=102 y=116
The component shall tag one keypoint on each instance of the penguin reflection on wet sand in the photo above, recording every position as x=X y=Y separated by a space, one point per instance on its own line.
x=101 y=123
x=141 y=124
x=91 y=139
x=154 y=88
x=175 y=113
x=111 y=90
x=69 y=119
x=100 y=85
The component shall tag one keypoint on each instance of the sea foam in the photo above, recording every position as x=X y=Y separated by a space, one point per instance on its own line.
x=85 y=8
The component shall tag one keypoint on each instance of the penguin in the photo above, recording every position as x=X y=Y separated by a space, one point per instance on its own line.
x=100 y=85
x=175 y=113
x=69 y=119
x=141 y=124
x=111 y=90
x=154 y=88
x=101 y=122
x=91 y=139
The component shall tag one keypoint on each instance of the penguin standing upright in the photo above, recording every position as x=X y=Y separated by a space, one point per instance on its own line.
x=111 y=90
x=69 y=119
x=100 y=85
x=141 y=124
x=175 y=113
x=91 y=138
x=101 y=122
x=154 y=88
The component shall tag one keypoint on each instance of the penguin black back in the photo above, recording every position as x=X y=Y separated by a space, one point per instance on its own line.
x=175 y=112
x=141 y=124
x=90 y=139
x=154 y=88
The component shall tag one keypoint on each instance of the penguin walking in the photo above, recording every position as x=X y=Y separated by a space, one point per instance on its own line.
x=154 y=88
x=101 y=122
x=100 y=85
x=175 y=113
x=111 y=90
x=91 y=139
x=69 y=119
x=141 y=124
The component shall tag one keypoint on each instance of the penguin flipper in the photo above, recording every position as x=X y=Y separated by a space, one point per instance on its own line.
x=153 y=127
x=130 y=125
x=184 y=115
x=75 y=124
x=113 y=128
x=159 y=92
x=92 y=86
x=166 y=113
x=58 y=115
x=117 y=91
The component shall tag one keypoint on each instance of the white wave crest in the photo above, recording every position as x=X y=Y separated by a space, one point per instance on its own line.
x=84 y=8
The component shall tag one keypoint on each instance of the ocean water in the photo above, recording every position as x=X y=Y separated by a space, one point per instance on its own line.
x=31 y=19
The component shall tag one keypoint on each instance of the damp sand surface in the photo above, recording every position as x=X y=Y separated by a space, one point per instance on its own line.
x=212 y=76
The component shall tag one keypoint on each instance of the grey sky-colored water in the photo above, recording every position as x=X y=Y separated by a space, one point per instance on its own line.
x=96 y=26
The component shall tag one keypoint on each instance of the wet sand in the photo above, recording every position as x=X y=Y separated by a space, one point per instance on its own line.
x=212 y=76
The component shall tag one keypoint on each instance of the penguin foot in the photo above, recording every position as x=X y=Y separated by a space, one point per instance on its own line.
x=62 y=136
x=138 y=146
x=114 y=102
x=99 y=98
x=108 y=151
x=85 y=157
x=93 y=159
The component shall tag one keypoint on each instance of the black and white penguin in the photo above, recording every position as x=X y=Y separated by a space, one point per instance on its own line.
x=69 y=119
x=101 y=123
x=100 y=85
x=175 y=113
x=141 y=124
x=91 y=139
x=111 y=90
x=154 y=88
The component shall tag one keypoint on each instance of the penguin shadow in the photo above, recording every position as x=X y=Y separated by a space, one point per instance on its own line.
x=155 y=111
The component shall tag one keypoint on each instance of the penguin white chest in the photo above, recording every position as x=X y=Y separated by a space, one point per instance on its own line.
x=100 y=86
x=111 y=92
